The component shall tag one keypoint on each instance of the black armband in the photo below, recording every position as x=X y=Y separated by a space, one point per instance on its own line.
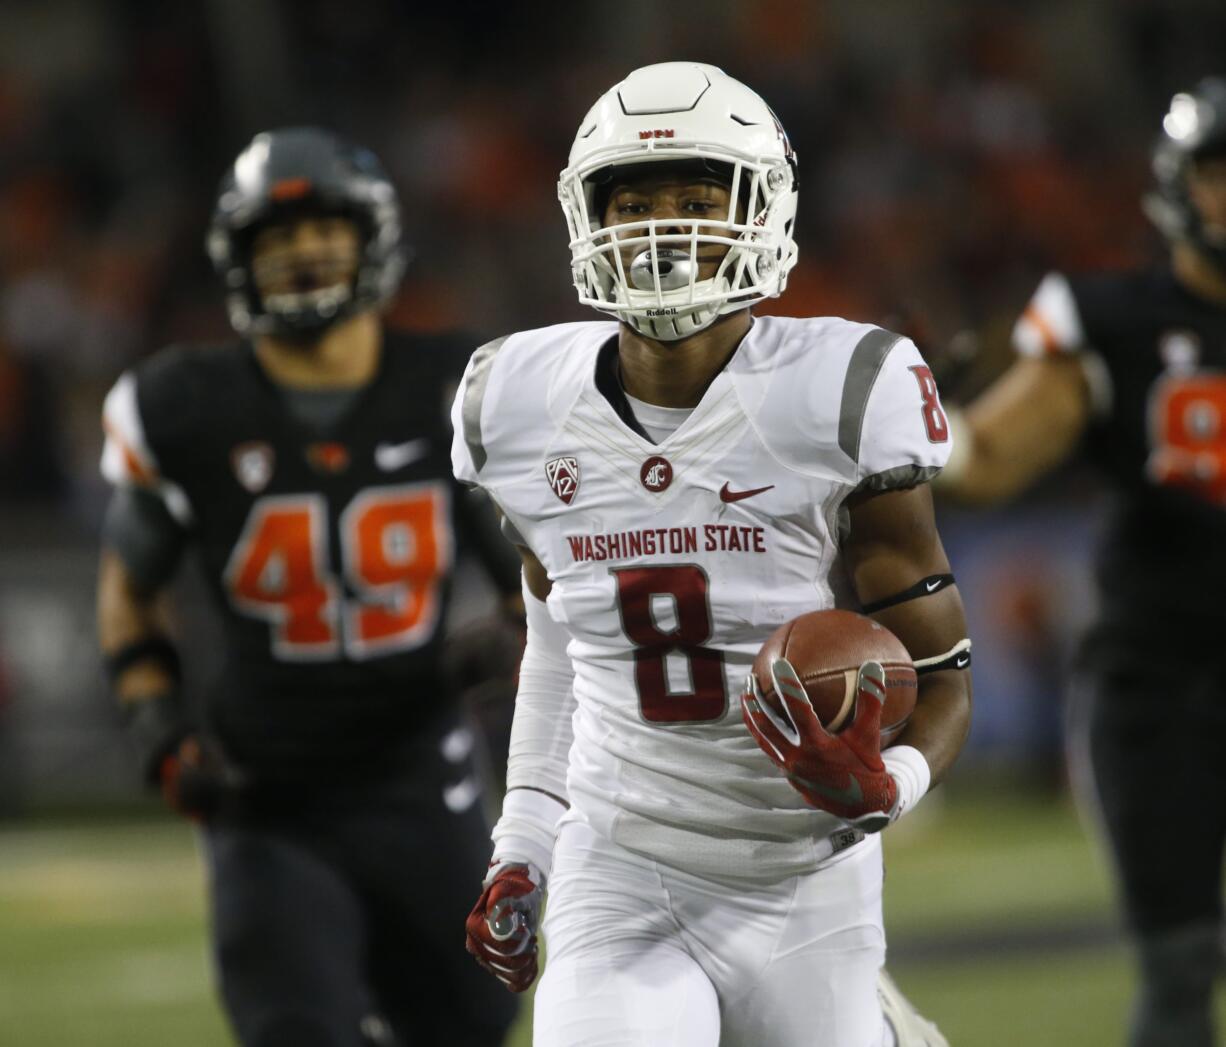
x=934 y=583
x=152 y=648
x=957 y=657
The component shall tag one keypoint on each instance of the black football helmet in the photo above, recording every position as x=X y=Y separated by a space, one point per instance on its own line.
x=1194 y=127
x=299 y=170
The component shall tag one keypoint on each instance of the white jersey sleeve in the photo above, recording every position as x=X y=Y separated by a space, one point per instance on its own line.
x=1051 y=323
x=903 y=435
x=467 y=444
x=128 y=459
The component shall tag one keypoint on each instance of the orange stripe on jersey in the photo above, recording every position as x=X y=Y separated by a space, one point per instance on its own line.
x=1051 y=344
x=142 y=472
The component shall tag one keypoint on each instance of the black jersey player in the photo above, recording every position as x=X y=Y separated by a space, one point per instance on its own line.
x=307 y=463
x=1135 y=362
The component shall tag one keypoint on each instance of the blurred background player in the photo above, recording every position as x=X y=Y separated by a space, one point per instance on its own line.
x=1134 y=363
x=331 y=771
x=681 y=479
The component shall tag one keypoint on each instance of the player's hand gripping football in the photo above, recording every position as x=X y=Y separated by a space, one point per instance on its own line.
x=841 y=773
x=502 y=926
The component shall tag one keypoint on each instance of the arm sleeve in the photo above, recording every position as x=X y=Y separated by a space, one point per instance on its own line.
x=904 y=436
x=478 y=519
x=140 y=529
x=541 y=736
x=128 y=457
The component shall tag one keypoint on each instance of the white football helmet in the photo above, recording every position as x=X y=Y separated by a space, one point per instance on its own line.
x=679 y=111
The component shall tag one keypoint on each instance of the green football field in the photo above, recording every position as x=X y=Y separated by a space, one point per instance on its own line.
x=997 y=909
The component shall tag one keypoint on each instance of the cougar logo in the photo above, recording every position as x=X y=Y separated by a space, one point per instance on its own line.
x=563 y=477
x=656 y=474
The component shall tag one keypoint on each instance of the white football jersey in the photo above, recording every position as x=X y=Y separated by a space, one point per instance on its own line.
x=672 y=563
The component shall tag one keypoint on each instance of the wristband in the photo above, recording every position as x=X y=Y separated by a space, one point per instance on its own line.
x=154 y=648
x=911 y=773
x=527 y=829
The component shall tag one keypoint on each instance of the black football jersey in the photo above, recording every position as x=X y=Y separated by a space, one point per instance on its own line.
x=1156 y=358
x=329 y=549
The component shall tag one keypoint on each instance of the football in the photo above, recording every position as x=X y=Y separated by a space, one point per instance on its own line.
x=826 y=648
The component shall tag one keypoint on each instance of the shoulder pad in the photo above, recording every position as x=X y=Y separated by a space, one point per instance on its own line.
x=843 y=400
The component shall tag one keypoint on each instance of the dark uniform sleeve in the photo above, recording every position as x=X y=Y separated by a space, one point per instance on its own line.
x=478 y=521
x=139 y=528
x=147 y=419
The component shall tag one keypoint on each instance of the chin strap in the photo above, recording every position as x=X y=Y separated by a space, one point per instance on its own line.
x=667 y=325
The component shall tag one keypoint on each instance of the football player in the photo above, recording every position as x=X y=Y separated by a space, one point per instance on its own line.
x=1132 y=363
x=681 y=480
x=307 y=463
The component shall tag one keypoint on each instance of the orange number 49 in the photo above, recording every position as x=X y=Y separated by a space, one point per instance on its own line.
x=395 y=547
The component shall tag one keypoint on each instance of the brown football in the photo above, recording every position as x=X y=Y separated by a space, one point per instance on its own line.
x=826 y=648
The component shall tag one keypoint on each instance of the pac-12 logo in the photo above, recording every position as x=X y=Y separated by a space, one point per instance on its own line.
x=563 y=477
x=252 y=463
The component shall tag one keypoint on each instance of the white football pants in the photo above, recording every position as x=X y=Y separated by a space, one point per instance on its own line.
x=641 y=954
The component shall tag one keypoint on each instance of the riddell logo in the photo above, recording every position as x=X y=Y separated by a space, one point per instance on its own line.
x=658 y=133
x=666 y=311
x=656 y=474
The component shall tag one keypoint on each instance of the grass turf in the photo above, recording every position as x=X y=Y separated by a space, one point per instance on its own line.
x=102 y=936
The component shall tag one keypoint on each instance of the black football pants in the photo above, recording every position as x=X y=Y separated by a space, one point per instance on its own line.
x=342 y=919
x=1157 y=747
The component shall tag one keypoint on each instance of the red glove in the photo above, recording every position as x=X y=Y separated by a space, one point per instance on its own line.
x=195 y=779
x=502 y=926
x=841 y=773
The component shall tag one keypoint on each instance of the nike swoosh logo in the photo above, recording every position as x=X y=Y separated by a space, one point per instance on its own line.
x=390 y=457
x=963 y=661
x=931 y=586
x=726 y=495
